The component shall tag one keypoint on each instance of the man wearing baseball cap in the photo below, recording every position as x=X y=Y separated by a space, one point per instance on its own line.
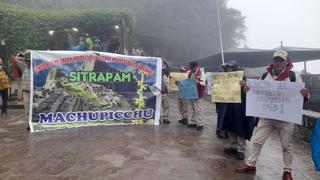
x=279 y=70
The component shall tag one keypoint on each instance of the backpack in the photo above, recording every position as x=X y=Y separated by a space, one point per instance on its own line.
x=4 y=80
x=292 y=76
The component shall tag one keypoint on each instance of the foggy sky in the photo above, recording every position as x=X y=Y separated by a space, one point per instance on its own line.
x=295 y=22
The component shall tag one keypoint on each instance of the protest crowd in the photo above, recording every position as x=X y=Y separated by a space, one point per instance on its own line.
x=232 y=121
x=153 y=90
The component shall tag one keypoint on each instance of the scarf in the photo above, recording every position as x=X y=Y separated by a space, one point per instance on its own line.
x=284 y=74
x=196 y=74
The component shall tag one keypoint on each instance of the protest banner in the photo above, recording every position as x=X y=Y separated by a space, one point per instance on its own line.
x=74 y=89
x=226 y=87
x=175 y=76
x=188 y=89
x=209 y=82
x=280 y=100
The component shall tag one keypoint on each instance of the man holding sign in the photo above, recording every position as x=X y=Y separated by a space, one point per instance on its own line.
x=279 y=70
x=182 y=103
x=199 y=80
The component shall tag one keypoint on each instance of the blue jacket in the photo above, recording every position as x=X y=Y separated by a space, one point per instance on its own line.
x=315 y=145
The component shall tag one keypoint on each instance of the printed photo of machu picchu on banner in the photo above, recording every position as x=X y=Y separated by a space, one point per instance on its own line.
x=76 y=89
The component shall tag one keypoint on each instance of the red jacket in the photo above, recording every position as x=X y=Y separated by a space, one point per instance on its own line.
x=199 y=81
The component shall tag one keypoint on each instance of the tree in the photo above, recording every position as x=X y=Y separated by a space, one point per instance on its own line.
x=180 y=29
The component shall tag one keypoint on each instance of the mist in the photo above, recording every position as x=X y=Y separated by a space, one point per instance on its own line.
x=179 y=30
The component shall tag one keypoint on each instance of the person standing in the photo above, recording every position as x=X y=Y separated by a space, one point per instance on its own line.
x=195 y=73
x=233 y=120
x=4 y=86
x=183 y=104
x=24 y=58
x=165 y=92
x=279 y=70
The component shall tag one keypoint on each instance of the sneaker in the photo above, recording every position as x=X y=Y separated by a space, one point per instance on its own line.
x=286 y=176
x=199 y=128
x=222 y=134
x=183 y=121
x=166 y=121
x=230 y=150
x=3 y=113
x=246 y=169
x=240 y=155
x=192 y=126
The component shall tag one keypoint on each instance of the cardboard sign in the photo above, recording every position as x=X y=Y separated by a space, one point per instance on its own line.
x=279 y=100
x=175 y=77
x=188 y=89
x=226 y=87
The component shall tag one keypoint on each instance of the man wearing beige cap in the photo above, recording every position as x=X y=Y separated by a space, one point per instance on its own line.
x=279 y=70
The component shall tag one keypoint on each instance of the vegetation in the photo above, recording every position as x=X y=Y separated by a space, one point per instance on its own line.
x=180 y=29
x=27 y=28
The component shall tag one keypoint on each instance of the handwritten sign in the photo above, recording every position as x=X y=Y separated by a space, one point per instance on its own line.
x=175 y=77
x=188 y=89
x=226 y=87
x=280 y=100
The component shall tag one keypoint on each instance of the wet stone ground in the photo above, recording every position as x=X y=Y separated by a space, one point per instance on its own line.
x=165 y=152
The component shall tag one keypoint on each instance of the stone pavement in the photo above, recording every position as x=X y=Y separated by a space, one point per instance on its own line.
x=165 y=152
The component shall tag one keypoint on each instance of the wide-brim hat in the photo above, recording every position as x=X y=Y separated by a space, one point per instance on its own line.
x=183 y=68
x=233 y=64
x=224 y=65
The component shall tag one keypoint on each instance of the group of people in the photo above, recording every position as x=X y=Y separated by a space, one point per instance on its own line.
x=6 y=80
x=93 y=43
x=196 y=121
x=231 y=117
x=231 y=122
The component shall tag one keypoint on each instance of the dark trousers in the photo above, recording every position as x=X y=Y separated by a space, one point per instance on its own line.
x=4 y=95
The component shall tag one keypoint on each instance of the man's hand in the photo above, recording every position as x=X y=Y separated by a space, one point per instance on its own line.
x=304 y=92
x=244 y=85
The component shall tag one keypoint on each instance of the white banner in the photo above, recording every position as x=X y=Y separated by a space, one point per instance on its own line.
x=279 y=100
x=88 y=88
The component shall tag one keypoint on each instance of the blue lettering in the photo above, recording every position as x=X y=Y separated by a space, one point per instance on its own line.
x=45 y=118
x=70 y=117
x=104 y=115
x=93 y=116
x=59 y=118
x=148 y=113
x=82 y=116
x=127 y=115
x=118 y=115
x=137 y=114
x=111 y=118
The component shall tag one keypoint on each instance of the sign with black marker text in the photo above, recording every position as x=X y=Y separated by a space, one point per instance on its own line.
x=279 y=100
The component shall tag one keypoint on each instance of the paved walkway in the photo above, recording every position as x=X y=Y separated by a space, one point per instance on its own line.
x=165 y=152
